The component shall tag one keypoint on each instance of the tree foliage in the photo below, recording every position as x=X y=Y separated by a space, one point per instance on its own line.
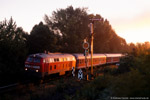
x=41 y=39
x=72 y=25
x=13 y=48
x=134 y=79
x=105 y=38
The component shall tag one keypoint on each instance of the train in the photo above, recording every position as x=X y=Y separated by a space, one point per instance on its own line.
x=45 y=64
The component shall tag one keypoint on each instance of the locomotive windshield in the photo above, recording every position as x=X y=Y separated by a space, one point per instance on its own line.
x=35 y=60
x=29 y=59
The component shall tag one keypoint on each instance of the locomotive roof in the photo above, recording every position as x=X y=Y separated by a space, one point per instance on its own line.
x=80 y=56
x=51 y=55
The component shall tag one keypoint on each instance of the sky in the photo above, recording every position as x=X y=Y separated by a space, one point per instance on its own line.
x=129 y=18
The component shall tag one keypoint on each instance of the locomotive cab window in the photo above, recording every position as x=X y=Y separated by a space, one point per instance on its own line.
x=29 y=59
x=37 y=60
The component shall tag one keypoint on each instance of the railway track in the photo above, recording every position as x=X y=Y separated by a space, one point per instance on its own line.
x=7 y=88
x=24 y=84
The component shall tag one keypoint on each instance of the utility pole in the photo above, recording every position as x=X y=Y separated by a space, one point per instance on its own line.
x=86 y=47
x=92 y=38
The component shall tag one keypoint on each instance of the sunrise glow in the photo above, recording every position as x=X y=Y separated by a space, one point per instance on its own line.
x=135 y=29
x=129 y=18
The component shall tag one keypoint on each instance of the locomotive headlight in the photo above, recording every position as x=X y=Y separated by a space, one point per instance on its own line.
x=26 y=69
x=37 y=70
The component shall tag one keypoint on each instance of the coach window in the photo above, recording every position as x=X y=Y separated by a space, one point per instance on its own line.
x=97 y=60
x=94 y=60
x=80 y=61
x=87 y=60
x=77 y=61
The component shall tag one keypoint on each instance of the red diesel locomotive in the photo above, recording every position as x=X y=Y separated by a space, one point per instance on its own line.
x=42 y=64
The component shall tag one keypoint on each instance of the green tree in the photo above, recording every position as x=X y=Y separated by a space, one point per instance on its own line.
x=12 y=47
x=72 y=25
x=105 y=38
x=42 y=39
x=134 y=82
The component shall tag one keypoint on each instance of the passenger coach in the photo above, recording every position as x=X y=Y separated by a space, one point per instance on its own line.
x=113 y=58
x=98 y=59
